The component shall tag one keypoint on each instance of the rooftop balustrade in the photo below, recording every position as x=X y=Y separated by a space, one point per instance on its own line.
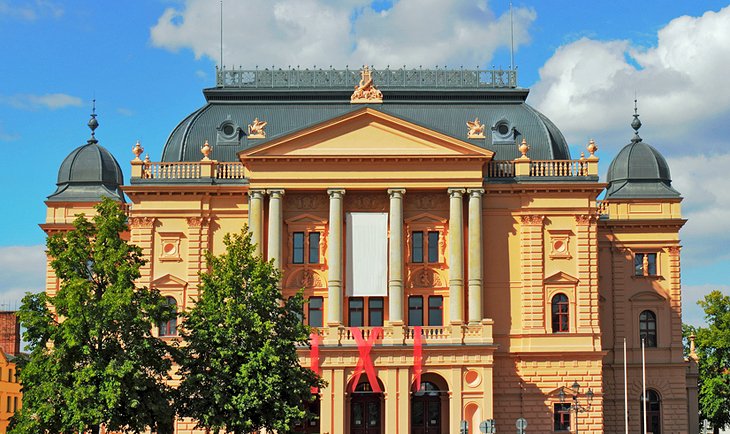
x=146 y=171
x=348 y=78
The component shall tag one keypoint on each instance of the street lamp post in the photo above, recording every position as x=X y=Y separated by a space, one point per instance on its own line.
x=575 y=405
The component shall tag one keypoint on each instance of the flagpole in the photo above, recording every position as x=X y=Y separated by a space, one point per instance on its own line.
x=626 y=391
x=643 y=383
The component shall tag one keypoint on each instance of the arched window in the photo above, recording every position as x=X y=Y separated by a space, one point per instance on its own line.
x=169 y=328
x=560 y=313
x=653 y=419
x=647 y=328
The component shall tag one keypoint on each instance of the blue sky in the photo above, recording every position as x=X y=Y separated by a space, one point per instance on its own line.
x=146 y=62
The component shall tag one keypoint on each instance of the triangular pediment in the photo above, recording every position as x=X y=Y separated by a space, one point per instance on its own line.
x=365 y=133
x=169 y=280
x=426 y=218
x=306 y=218
x=561 y=277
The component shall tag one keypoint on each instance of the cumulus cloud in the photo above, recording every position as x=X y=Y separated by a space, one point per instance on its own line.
x=323 y=33
x=51 y=101
x=22 y=269
x=30 y=10
x=587 y=86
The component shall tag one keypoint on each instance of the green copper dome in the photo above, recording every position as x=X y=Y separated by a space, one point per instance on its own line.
x=639 y=171
x=89 y=173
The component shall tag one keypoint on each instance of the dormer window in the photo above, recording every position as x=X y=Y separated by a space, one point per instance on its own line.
x=503 y=133
x=229 y=133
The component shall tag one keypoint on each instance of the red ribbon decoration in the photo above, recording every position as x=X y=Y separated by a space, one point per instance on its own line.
x=364 y=362
x=417 y=356
x=315 y=338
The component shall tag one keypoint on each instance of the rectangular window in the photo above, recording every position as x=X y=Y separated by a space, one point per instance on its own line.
x=315 y=310
x=561 y=413
x=645 y=264
x=355 y=312
x=8 y=406
x=15 y=403
x=298 y=248
x=417 y=247
x=435 y=311
x=314 y=247
x=415 y=310
x=433 y=247
x=375 y=312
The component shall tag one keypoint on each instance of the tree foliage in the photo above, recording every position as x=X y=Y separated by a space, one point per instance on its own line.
x=713 y=349
x=239 y=366
x=93 y=360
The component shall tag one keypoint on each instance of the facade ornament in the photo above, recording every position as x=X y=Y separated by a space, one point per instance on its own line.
x=532 y=219
x=306 y=201
x=142 y=222
x=585 y=219
x=256 y=129
x=196 y=222
x=370 y=202
x=365 y=91
x=524 y=147
x=476 y=129
x=206 y=150
x=137 y=151
x=592 y=148
x=674 y=250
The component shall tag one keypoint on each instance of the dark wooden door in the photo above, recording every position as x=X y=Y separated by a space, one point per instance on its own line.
x=426 y=415
x=365 y=413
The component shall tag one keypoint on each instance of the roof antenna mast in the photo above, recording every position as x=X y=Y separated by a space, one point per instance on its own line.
x=512 y=39
x=221 y=34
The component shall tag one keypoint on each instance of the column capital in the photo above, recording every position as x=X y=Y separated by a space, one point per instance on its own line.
x=475 y=192
x=336 y=193
x=257 y=193
x=396 y=192
x=456 y=191
x=275 y=193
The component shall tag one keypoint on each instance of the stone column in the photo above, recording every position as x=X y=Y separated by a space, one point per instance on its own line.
x=275 y=225
x=395 y=280
x=456 y=255
x=334 y=258
x=476 y=248
x=256 y=218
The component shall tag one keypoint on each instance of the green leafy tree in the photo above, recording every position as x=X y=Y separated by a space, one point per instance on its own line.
x=713 y=349
x=239 y=367
x=93 y=360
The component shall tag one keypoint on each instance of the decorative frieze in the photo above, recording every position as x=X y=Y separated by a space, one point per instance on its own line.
x=142 y=222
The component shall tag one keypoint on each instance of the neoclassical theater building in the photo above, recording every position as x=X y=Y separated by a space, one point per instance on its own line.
x=459 y=267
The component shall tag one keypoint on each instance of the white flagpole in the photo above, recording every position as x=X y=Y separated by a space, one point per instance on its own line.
x=626 y=391
x=643 y=383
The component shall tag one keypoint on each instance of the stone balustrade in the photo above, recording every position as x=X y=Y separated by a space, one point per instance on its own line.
x=474 y=334
x=146 y=171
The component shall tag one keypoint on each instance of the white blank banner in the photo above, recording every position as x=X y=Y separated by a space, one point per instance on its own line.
x=367 y=254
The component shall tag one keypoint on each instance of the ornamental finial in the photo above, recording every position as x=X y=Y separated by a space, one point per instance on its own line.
x=524 y=147
x=93 y=123
x=636 y=123
x=137 y=151
x=365 y=91
x=592 y=148
x=205 y=150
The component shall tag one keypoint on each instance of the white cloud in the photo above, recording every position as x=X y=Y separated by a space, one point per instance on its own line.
x=324 y=33
x=125 y=111
x=51 y=101
x=587 y=86
x=22 y=269
x=30 y=10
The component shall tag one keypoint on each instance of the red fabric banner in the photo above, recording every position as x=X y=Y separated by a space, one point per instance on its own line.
x=364 y=362
x=417 y=356
x=315 y=339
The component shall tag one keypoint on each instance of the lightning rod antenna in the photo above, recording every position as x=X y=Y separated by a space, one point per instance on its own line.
x=221 y=34
x=512 y=39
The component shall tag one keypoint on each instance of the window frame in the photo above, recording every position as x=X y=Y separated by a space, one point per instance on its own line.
x=557 y=315
x=639 y=264
x=350 y=311
x=412 y=309
x=431 y=308
x=649 y=411
x=561 y=412
x=170 y=326
x=298 y=235
x=371 y=310
x=319 y=309
x=644 y=329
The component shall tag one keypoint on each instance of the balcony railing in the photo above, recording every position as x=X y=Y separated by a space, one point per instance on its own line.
x=404 y=335
x=525 y=168
x=148 y=170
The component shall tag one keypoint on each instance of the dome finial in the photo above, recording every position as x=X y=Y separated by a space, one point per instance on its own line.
x=636 y=123
x=93 y=123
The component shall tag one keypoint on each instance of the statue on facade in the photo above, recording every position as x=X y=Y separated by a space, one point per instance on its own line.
x=365 y=91
x=256 y=129
x=476 y=129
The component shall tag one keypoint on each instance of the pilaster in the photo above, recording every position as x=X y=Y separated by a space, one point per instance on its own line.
x=532 y=258
x=395 y=280
x=675 y=300
x=198 y=230
x=276 y=224
x=475 y=255
x=256 y=218
x=142 y=233
x=587 y=264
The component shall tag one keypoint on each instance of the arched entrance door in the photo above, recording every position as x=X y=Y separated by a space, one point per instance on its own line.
x=429 y=409
x=366 y=410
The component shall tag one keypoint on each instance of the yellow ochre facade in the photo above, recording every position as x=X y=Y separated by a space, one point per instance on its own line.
x=488 y=249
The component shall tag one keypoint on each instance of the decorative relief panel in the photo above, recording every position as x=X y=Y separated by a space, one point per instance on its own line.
x=197 y=222
x=376 y=202
x=559 y=246
x=305 y=202
x=142 y=222
x=428 y=201
x=424 y=278
x=170 y=246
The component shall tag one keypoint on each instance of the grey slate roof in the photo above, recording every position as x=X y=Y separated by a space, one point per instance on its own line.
x=639 y=171
x=290 y=110
x=87 y=174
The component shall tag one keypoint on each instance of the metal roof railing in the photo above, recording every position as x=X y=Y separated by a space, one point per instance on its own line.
x=348 y=78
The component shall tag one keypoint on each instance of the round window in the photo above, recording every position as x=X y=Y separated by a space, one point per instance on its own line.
x=228 y=130
x=503 y=129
